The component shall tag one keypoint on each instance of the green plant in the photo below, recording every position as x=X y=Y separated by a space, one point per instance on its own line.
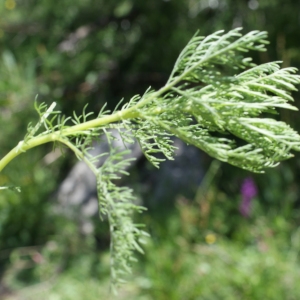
x=220 y=114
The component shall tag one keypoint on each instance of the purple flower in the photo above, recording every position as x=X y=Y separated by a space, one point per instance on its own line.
x=248 y=191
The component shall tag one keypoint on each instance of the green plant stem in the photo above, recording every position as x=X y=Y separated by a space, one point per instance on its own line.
x=58 y=135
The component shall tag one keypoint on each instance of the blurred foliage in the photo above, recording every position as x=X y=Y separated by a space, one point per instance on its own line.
x=185 y=259
x=95 y=51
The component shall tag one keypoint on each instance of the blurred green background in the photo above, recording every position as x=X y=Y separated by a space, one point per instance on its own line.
x=202 y=247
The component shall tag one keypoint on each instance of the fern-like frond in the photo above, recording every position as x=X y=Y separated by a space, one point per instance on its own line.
x=207 y=108
x=218 y=48
x=117 y=203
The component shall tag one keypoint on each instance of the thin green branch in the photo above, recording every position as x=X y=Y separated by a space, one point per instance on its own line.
x=69 y=131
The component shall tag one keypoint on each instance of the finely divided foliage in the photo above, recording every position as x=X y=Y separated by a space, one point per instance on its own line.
x=225 y=115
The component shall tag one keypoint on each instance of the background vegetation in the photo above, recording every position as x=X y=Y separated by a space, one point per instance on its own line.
x=202 y=247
